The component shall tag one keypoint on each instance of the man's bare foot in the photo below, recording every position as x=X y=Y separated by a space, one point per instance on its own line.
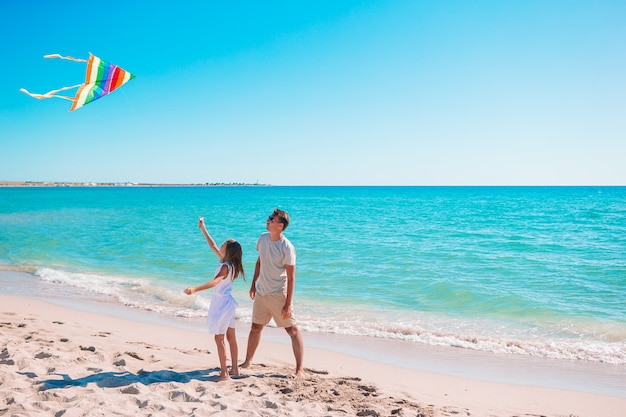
x=299 y=373
x=244 y=365
x=223 y=377
x=234 y=372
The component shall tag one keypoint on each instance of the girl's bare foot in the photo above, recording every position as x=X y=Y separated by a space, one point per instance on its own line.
x=223 y=377
x=234 y=372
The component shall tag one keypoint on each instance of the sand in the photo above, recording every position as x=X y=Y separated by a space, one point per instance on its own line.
x=58 y=361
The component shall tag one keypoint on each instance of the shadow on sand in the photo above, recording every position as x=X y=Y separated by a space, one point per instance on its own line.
x=120 y=379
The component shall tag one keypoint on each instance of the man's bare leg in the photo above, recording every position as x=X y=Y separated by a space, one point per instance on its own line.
x=298 y=348
x=253 y=342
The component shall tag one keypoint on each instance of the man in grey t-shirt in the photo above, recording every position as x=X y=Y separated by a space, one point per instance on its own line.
x=272 y=288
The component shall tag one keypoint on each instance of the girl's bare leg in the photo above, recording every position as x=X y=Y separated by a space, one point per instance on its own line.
x=234 y=351
x=221 y=351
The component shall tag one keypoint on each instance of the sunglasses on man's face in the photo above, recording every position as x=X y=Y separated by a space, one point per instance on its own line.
x=273 y=219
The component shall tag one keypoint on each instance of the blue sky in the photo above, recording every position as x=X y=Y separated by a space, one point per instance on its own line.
x=320 y=92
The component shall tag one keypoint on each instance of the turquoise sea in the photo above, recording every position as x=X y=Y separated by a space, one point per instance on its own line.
x=524 y=271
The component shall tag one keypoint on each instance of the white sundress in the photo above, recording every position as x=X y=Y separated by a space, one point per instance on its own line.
x=221 y=314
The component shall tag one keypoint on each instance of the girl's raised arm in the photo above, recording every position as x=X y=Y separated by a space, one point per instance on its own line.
x=209 y=239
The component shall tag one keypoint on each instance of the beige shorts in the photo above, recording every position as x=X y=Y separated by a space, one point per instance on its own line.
x=267 y=307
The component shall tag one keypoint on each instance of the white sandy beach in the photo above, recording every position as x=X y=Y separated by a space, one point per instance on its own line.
x=57 y=361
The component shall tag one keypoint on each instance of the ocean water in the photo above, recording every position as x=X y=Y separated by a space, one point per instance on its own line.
x=528 y=271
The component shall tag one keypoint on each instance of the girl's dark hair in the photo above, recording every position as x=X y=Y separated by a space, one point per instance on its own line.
x=233 y=254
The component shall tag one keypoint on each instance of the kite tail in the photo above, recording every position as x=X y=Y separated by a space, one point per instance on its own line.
x=51 y=94
x=69 y=58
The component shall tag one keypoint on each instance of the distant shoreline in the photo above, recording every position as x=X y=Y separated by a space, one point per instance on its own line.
x=34 y=184
x=123 y=184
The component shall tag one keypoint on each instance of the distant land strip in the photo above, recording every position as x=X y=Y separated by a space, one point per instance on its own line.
x=123 y=184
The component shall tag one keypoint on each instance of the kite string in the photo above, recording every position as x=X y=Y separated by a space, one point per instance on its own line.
x=195 y=209
x=140 y=121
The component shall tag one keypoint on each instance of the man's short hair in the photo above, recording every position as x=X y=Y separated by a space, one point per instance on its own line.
x=282 y=216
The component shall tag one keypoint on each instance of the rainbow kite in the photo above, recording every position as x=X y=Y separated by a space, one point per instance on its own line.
x=101 y=79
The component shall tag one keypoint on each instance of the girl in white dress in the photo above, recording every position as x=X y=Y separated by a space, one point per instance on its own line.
x=221 y=316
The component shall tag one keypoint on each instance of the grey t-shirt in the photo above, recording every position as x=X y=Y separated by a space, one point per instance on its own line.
x=274 y=256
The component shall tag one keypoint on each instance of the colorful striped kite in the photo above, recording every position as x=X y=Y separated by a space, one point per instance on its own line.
x=101 y=79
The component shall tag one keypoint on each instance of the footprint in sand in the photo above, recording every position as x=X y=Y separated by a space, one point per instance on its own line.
x=130 y=390
x=181 y=396
x=314 y=371
x=134 y=355
x=5 y=357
